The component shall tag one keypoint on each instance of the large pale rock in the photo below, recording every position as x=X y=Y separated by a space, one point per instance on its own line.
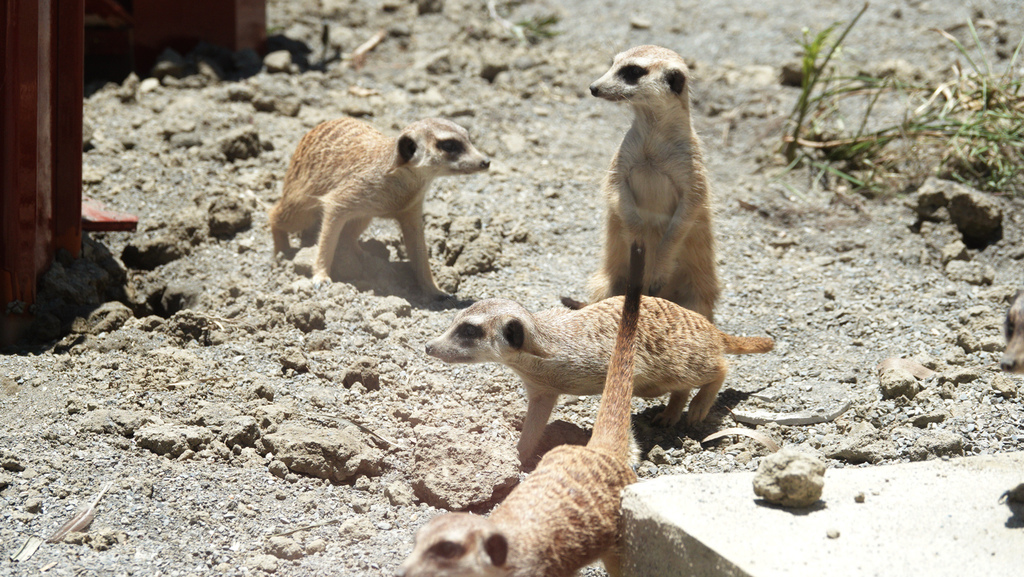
x=116 y=422
x=455 y=470
x=331 y=454
x=173 y=440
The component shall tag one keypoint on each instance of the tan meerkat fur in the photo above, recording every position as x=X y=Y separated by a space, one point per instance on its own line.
x=344 y=173
x=563 y=351
x=566 y=514
x=1013 y=357
x=656 y=189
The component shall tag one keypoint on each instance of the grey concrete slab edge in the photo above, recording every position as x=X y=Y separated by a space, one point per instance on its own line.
x=934 y=519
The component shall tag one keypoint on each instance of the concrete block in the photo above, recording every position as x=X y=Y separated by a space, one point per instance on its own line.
x=935 y=518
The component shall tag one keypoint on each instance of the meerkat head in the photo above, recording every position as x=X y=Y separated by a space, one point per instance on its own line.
x=457 y=545
x=644 y=76
x=491 y=330
x=439 y=147
x=1013 y=358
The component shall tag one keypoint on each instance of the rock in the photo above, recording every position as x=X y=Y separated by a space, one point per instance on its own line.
x=303 y=261
x=392 y=304
x=189 y=325
x=284 y=548
x=478 y=256
x=790 y=478
x=100 y=540
x=306 y=316
x=363 y=370
x=970 y=272
x=116 y=422
x=229 y=216
x=866 y=447
x=922 y=421
x=442 y=457
x=33 y=505
x=241 y=431
x=969 y=340
x=265 y=563
x=399 y=494
x=491 y=67
x=129 y=88
x=238 y=92
x=108 y=317
x=185 y=140
x=294 y=359
x=955 y=250
x=10 y=462
x=898 y=383
x=149 y=85
x=356 y=529
x=316 y=546
x=6 y=480
x=240 y=143
x=979 y=219
x=172 y=440
x=169 y=63
x=1004 y=386
x=961 y=376
x=639 y=23
x=331 y=454
x=278 y=61
x=937 y=443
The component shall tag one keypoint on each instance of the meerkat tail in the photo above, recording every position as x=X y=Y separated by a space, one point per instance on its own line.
x=611 y=427
x=747 y=345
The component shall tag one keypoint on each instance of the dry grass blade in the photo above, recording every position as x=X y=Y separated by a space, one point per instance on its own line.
x=81 y=520
x=359 y=54
x=756 y=435
x=28 y=548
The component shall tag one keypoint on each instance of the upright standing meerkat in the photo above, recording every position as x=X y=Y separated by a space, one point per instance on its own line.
x=656 y=189
x=563 y=351
x=566 y=514
x=1013 y=357
x=344 y=173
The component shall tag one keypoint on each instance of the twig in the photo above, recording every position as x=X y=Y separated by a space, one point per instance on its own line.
x=81 y=519
x=359 y=54
x=313 y=526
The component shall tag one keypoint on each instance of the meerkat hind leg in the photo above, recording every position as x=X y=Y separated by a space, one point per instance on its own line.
x=674 y=410
x=705 y=399
x=330 y=233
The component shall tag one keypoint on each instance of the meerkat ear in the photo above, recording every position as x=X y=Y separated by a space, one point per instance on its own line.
x=496 y=547
x=515 y=334
x=676 y=80
x=406 y=148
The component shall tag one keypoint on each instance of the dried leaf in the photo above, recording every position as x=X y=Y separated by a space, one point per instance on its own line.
x=28 y=548
x=801 y=418
x=756 y=435
x=81 y=520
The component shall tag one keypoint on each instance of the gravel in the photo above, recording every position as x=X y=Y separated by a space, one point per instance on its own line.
x=228 y=401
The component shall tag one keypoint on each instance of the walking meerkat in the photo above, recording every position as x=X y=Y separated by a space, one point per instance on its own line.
x=344 y=173
x=1013 y=358
x=566 y=514
x=656 y=189
x=564 y=351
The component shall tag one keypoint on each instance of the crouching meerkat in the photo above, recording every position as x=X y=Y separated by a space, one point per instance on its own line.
x=344 y=173
x=656 y=189
x=566 y=514
x=1013 y=357
x=564 y=351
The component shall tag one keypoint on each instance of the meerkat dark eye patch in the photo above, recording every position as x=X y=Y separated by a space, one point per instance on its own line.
x=406 y=148
x=676 y=80
x=447 y=550
x=632 y=74
x=515 y=334
x=469 y=331
x=496 y=547
x=451 y=146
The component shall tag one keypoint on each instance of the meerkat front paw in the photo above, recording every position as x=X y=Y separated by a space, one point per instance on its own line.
x=321 y=281
x=667 y=418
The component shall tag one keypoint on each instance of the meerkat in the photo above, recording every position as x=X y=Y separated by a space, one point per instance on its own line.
x=566 y=514
x=1013 y=357
x=565 y=351
x=656 y=189
x=344 y=173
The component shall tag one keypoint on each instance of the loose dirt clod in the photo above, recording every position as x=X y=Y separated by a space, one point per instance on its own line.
x=790 y=478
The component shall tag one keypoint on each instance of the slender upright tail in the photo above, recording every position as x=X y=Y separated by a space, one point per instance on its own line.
x=747 y=345
x=611 y=427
